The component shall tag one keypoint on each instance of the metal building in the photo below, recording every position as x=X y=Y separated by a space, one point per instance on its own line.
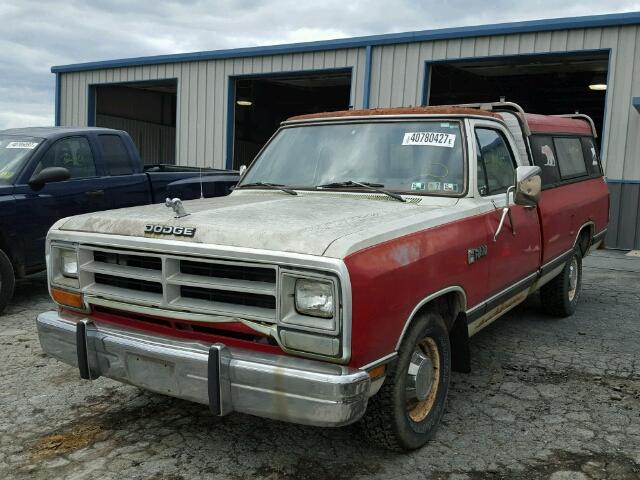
x=217 y=108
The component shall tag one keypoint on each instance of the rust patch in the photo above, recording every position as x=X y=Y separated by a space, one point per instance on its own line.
x=443 y=110
x=69 y=440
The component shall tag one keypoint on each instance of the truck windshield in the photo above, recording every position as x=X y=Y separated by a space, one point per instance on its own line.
x=15 y=151
x=419 y=157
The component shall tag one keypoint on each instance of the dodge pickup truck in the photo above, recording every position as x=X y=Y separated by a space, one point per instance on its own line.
x=343 y=277
x=50 y=173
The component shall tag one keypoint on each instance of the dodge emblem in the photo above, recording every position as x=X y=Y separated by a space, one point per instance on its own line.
x=170 y=230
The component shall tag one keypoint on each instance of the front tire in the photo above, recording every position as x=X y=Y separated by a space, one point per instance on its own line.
x=560 y=296
x=406 y=412
x=7 y=281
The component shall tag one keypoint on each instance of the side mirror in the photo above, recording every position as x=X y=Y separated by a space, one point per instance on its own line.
x=528 y=186
x=243 y=168
x=49 y=175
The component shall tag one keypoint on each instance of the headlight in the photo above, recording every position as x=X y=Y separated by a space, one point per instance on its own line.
x=62 y=264
x=69 y=263
x=314 y=298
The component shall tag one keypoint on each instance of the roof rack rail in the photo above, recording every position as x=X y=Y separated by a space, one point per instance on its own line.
x=492 y=106
x=581 y=116
x=501 y=105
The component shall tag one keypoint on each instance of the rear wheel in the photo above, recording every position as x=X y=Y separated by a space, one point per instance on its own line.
x=405 y=413
x=560 y=296
x=7 y=281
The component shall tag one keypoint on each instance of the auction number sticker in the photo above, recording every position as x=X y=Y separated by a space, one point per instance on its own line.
x=431 y=139
x=24 y=145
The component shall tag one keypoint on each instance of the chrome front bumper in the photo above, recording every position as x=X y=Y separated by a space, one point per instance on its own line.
x=225 y=378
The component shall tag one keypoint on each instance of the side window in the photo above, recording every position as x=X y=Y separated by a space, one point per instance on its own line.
x=115 y=155
x=570 y=158
x=482 y=176
x=544 y=156
x=74 y=154
x=591 y=156
x=497 y=160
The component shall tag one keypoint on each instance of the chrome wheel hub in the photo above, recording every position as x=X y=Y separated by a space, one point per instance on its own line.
x=423 y=376
x=573 y=278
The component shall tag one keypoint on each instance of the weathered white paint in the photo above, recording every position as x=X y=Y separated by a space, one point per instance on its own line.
x=308 y=223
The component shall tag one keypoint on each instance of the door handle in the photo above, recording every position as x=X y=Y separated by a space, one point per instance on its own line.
x=95 y=193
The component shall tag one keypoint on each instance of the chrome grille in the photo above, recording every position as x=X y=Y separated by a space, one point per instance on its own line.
x=204 y=286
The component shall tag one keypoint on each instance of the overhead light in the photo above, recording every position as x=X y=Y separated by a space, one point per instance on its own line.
x=244 y=102
x=598 y=82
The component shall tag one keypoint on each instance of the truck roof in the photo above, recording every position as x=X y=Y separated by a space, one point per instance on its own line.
x=435 y=110
x=54 y=132
x=537 y=123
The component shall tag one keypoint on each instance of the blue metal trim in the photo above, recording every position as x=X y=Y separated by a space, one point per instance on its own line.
x=91 y=105
x=569 y=23
x=368 y=59
x=57 y=101
x=91 y=94
x=603 y=161
x=620 y=181
x=231 y=121
x=426 y=80
x=231 y=109
x=635 y=101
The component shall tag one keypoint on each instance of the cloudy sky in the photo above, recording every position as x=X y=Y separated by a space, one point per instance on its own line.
x=38 y=34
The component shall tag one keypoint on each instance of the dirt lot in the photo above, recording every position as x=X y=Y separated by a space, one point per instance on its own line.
x=547 y=398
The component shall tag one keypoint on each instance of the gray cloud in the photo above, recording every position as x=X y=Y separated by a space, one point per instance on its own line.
x=36 y=35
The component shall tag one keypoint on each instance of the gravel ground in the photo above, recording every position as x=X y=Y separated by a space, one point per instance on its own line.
x=547 y=398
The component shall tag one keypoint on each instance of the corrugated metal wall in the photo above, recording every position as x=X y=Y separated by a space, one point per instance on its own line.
x=396 y=80
x=203 y=94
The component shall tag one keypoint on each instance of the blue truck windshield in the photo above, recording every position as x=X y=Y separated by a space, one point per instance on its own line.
x=15 y=151
x=420 y=157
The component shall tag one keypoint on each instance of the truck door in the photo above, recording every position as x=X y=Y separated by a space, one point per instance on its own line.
x=514 y=253
x=125 y=185
x=38 y=210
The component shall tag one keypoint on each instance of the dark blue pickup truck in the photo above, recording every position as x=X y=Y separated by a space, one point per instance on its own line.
x=50 y=173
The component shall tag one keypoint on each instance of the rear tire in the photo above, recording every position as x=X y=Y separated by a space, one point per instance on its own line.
x=560 y=296
x=7 y=281
x=406 y=412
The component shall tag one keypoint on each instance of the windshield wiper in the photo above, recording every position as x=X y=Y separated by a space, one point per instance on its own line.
x=273 y=186
x=373 y=187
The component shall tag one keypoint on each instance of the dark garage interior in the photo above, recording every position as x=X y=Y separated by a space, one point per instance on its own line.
x=261 y=103
x=147 y=111
x=549 y=84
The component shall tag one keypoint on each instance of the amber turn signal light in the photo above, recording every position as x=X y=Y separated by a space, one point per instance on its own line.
x=377 y=372
x=68 y=299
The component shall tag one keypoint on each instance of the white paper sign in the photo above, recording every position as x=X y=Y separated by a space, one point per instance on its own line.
x=24 y=145
x=431 y=139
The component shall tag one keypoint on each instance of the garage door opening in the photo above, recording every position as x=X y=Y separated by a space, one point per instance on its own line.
x=547 y=84
x=261 y=103
x=146 y=110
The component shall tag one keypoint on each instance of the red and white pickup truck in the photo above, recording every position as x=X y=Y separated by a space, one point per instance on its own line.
x=343 y=277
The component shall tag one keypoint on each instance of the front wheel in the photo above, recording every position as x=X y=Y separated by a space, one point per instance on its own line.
x=7 y=281
x=405 y=413
x=560 y=296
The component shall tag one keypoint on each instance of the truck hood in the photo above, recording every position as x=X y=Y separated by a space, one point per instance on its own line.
x=308 y=223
